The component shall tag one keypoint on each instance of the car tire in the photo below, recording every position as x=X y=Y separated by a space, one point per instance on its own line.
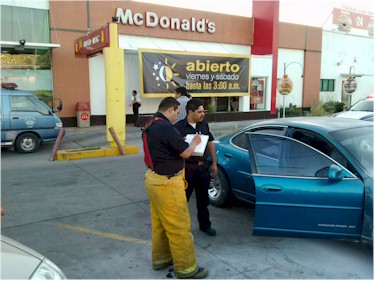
x=219 y=192
x=27 y=143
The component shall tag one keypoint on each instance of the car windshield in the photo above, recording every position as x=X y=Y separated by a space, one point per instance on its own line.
x=365 y=105
x=359 y=142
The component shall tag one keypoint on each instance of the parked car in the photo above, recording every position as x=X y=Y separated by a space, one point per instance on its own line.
x=363 y=110
x=21 y=262
x=307 y=176
x=26 y=121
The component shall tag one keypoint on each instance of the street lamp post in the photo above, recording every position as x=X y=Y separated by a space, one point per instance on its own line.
x=286 y=84
x=287 y=65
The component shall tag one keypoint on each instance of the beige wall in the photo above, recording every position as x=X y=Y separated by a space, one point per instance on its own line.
x=309 y=39
x=229 y=29
x=69 y=21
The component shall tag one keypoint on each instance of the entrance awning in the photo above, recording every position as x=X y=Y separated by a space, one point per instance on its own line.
x=23 y=47
x=27 y=45
x=131 y=44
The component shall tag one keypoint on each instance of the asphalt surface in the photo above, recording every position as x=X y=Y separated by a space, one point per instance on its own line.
x=91 y=217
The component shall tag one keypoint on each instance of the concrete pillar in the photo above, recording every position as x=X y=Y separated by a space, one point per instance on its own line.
x=115 y=87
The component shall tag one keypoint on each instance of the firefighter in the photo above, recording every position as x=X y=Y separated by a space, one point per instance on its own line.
x=165 y=150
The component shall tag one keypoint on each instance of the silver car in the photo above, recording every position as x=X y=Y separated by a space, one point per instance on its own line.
x=21 y=262
x=362 y=110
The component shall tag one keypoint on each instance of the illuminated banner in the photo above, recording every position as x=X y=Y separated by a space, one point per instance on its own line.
x=202 y=74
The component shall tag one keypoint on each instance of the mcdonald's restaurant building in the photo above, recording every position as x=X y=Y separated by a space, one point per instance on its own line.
x=232 y=63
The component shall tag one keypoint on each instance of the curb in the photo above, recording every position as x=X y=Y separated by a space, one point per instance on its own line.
x=93 y=152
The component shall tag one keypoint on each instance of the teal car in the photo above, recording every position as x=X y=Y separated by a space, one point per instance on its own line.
x=307 y=176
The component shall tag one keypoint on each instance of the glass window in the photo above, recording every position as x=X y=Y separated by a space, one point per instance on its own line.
x=359 y=142
x=24 y=23
x=31 y=72
x=222 y=104
x=323 y=146
x=257 y=90
x=364 y=105
x=269 y=130
x=285 y=157
x=27 y=103
x=241 y=141
x=327 y=85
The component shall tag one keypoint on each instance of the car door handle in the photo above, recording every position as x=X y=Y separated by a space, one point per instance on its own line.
x=228 y=154
x=271 y=188
x=15 y=118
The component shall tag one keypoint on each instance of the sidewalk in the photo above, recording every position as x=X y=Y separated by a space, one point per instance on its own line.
x=95 y=136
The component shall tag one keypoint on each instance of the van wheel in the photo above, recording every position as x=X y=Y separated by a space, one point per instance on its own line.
x=27 y=143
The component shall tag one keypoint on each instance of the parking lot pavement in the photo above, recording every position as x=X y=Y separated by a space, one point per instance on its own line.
x=91 y=217
x=96 y=136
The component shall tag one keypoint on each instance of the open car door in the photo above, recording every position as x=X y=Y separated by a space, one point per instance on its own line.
x=301 y=192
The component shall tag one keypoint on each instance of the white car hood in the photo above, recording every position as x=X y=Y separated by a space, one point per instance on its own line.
x=17 y=260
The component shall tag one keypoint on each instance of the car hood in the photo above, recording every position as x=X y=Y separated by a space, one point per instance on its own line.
x=17 y=261
x=354 y=114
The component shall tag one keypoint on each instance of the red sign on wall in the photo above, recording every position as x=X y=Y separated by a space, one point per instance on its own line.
x=84 y=116
x=92 y=43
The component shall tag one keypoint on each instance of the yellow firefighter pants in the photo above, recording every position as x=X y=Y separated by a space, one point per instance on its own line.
x=170 y=217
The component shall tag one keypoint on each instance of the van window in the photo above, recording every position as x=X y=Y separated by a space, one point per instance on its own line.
x=27 y=103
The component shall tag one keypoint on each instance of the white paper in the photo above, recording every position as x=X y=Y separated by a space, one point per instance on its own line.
x=200 y=148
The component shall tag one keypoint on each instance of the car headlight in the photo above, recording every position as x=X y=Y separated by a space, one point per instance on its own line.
x=47 y=270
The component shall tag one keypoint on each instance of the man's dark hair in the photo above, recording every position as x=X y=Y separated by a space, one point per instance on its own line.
x=182 y=91
x=168 y=103
x=134 y=92
x=193 y=105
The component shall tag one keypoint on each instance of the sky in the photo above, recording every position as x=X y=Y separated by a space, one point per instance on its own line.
x=307 y=12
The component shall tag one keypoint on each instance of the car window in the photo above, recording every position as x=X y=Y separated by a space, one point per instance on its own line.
x=285 y=157
x=364 y=105
x=321 y=144
x=359 y=143
x=27 y=103
x=240 y=139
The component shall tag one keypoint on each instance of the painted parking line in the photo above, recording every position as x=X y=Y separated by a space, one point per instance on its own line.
x=103 y=234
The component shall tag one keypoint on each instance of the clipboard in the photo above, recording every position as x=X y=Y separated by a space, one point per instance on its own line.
x=200 y=148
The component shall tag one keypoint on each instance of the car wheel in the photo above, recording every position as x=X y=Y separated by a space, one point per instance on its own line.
x=27 y=143
x=219 y=192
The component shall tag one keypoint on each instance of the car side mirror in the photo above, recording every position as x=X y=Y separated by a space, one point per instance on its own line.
x=335 y=173
x=57 y=105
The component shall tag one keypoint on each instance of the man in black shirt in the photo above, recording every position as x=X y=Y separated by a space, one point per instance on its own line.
x=165 y=150
x=196 y=169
